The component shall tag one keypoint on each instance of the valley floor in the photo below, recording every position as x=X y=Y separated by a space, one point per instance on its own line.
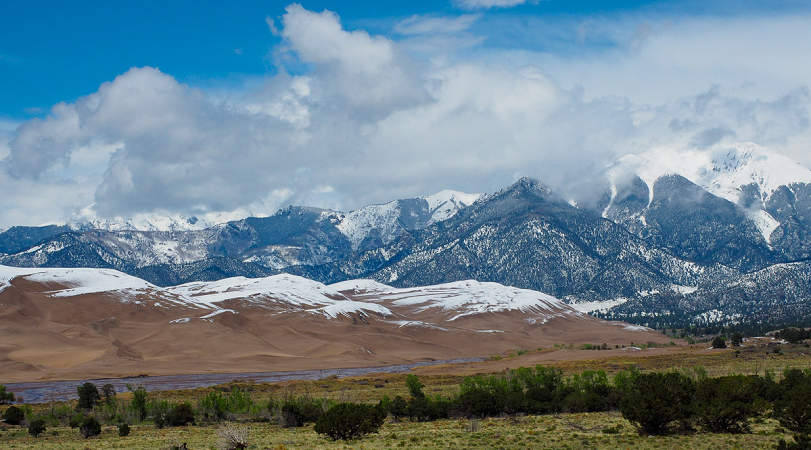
x=599 y=431
x=585 y=430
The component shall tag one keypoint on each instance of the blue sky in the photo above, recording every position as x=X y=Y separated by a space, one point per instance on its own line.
x=56 y=51
x=206 y=108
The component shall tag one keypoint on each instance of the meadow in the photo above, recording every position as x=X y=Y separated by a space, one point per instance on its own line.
x=561 y=430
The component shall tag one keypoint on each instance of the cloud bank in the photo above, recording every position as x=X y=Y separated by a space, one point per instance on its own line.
x=352 y=118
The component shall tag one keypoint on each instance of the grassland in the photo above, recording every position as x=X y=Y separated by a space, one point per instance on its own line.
x=536 y=432
x=587 y=430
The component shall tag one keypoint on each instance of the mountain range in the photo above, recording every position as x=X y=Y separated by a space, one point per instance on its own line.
x=719 y=236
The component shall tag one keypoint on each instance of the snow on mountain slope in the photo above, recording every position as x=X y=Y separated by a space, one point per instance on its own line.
x=358 y=224
x=445 y=204
x=361 y=286
x=725 y=171
x=87 y=219
x=471 y=297
x=78 y=281
x=289 y=290
x=388 y=220
x=347 y=307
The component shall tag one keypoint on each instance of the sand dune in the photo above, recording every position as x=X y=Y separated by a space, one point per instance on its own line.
x=72 y=325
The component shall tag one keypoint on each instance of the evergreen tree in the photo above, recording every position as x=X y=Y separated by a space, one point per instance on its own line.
x=88 y=396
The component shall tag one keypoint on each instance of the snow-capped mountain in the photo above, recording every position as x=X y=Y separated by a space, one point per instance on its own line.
x=87 y=219
x=744 y=174
x=375 y=225
x=725 y=171
x=294 y=236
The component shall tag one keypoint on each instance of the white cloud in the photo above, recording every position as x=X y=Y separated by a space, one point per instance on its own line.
x=657 y=59
x=272 y=26
x=435 y=36
x=436 y=25
x=368 y=123
x=365 y=70
x=486 y=4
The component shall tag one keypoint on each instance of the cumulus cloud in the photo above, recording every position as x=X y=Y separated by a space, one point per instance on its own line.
x=371 y=119
x=363 y=69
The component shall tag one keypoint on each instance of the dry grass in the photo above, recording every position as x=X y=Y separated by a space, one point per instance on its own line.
x=541 y=432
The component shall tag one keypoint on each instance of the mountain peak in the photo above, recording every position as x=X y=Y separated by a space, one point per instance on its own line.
x=88 y=219
x=533 y=187
x=444 y=204
x=725 y=170
x=387 y=221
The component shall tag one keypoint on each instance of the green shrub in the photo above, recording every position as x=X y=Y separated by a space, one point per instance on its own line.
x=791 y=408
x=719 y=342
x=725 y=404
x=479 y=403
x=239 y=401
x=214 y=406
x=108 y=392
x=801 y=442
x=346 y=421
x=658 y=403
x=180 y=415
x=138 y=404
x=13 y=415
x=398 y=407
x=76 y=421
x=36 y=427
x=414 y=386
x=90 y=427
x=124 y=430
x=5 y=397
x=296 y=413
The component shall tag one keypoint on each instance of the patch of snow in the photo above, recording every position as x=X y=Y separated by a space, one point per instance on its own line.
x=217 y=312
x=474 y=297
x=632 y=327
x=417 y=323
x=78 y=281
x=683 y=289
x=605 y=305
x=290 y=289
x=764 y=222
x=716 y=315
x=445 y=204
x=613 y=189
x=183 y=320
x=357 y=224
x=88 y=219
x=345 y=307
x=360 y=286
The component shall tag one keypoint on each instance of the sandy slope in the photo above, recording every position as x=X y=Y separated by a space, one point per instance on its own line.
x=60 y=327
